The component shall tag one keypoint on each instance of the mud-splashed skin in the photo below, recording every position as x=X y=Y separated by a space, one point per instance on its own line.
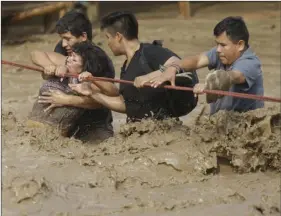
x=149 y=169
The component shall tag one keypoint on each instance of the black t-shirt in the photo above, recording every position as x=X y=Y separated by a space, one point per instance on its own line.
x=60 y=49
x=141 y=102
x=95 y=116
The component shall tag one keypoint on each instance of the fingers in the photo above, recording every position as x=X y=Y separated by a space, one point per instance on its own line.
x=61 y=71
x=138 y=82
x=49 y=93
x=50 y=70
x=173 y=81
x=156 y=82
x=199 y=89
x=83 y=90
x=44 y=100
x=189 y=75
x=74 y=87
x=50 y=108
x=84 y=76
x=46 y=97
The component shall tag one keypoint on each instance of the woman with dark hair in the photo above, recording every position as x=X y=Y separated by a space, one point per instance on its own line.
x=70 y=120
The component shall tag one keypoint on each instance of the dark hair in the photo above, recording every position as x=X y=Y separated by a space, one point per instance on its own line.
x=94 y=58
x=76 y=23
x=123 y=22
x=235 y=29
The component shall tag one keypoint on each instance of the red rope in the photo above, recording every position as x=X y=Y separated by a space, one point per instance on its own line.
x=218 y=92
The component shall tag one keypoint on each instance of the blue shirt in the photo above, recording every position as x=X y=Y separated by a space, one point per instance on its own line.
x=248 y=64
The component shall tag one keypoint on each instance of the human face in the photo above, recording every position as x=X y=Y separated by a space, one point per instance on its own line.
x=114 y=42
x=74 y=63
x=227 y=50
x=68 y=40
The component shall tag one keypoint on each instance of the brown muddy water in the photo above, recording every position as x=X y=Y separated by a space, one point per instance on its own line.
x=227 y=164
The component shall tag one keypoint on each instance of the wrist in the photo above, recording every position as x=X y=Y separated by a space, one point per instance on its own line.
x=52 y=70
x=66 y=100
x=175 y=68
x=95 y=96
x=171 y=71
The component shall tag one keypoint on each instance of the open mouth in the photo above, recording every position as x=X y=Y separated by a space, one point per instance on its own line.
x=69 y=51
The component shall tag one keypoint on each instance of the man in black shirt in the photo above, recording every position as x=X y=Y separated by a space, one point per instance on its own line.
x=121 y=31
x=95 y=123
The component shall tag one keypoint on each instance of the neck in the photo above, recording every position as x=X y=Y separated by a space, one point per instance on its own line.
x=131 y=47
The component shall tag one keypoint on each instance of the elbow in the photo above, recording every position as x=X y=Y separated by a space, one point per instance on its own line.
x=114 y=94
x=113 y=91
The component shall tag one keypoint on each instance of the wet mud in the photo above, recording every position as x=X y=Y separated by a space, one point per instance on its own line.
x=157 y=156
x=227 y=164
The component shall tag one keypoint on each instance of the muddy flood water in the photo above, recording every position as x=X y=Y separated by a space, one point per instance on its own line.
x=224 y=165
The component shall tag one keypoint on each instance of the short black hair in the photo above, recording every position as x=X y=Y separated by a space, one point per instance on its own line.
x=76 y=23
x=235 y=29
x=123 y=22
x=94 y=58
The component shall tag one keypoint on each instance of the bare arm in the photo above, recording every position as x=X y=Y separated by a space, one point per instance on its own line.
x=193 y=62
x=106 y=88
x=116 y=104
x=141 y=80
x=188 y=64
x=94 y=93
x=44 y=59
x=172 y=60
x=82 y=102
x=47 y=58
x=58 y=97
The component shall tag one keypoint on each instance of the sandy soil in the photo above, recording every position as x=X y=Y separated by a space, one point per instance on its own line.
x=225 y=165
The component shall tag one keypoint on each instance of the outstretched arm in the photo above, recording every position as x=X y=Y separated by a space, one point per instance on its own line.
x=59 y=98
x=188 y=64
x=114 y=103
x=106 y=88
x=43 y=59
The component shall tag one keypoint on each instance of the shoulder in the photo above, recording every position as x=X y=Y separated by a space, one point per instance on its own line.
x=60 y=49
x=105 y=63
x=212 y=54
x=214 y=61
x=100 y=53
x=151 y=48
x=248 y=60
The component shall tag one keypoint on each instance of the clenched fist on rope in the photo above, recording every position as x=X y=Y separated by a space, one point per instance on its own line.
x=56 y=70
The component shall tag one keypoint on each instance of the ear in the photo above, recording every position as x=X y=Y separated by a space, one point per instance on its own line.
x=118 y=36
x=241 y=45
x=84 y=36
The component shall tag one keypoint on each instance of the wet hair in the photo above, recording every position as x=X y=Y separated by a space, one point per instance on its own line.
x=76 y=23
x=94 y=58
x=235 y=29
x=123 y=22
